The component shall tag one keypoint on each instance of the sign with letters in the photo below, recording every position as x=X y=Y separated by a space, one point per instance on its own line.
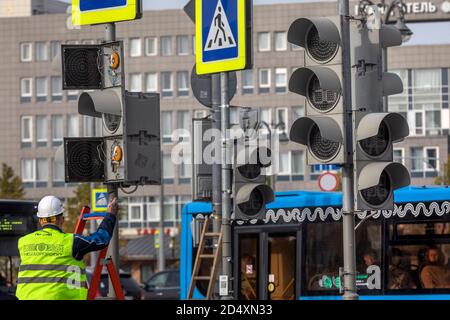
x=87 y=12
x=222 y=35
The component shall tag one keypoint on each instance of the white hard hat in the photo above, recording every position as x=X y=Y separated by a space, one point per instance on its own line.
x=49 y=206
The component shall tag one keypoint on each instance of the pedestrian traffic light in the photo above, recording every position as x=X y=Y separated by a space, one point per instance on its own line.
x=320 y=82
x=251 y=194
x=130 y=146
x=375 y=130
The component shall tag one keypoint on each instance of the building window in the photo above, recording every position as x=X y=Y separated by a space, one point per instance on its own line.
x=182 y=45
x=57 y=129
x=41 y=89
x=26 y=131
x=198 y=114
x=55 y=48
x=266 y=116
x=41 y=51
x=58 y=174
x=280 y=80
x=417 y=159
x=399 y=102
x=166 y=84
x=399 y=155
x=170 y=208
x=168 y=169
x=284 y=166
x=26 y=89
x=298 y=163
x=88 y=41
x=297 y=112
x=56 y=88
x=183 y=83
x=135 y=82
x=151 y=46
x=166 y=46
x=247 y=81
x=264 y=80
x=28 y=172
x=73 y=125
x=151 y=82
x=72 y=95
x=280 y=41
x=153 y=209
x=432 y=159
x=41 y=131
x=184 y=120
x=282 y=121
x=234 y=116
x=194 y=45
x=135 y=47
x=264 y=41
x=424 y=161
x=26 y=52
x=41 y=172
x=166 y=125
x=135 y=211
x=427 y=101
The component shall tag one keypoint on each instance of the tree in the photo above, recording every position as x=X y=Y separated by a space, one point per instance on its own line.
x=10 y=184
x=82 y=198
x=445 y=179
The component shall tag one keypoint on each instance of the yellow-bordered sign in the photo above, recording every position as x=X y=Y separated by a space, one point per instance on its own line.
x=221 y=35
x=87 y=12
x=99 y=200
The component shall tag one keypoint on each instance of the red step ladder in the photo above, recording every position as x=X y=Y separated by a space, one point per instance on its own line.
x=85 y=216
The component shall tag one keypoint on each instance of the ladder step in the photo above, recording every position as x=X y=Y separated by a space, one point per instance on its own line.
x=212 y=234
x=207 y=256
x=202 y=277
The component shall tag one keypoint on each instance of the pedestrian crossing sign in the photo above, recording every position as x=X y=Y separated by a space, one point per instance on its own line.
x=221 y=35
x=99 y=200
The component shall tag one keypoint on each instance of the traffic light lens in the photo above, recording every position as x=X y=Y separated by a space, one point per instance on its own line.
x=250 y=171
x=322 y=100
x=322 y=148
x=319 y=50
x=254 y=204
x=81 y=69
x=377 y=145
x=378 y=194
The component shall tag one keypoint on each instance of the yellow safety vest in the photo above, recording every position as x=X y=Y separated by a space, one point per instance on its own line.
x=48 y=271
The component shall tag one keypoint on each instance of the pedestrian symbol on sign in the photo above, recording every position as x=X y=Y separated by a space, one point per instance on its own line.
x=220 y=35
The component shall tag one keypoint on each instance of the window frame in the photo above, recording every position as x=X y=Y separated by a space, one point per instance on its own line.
x=30 y=128
x=36 y=51
x=26 y=95
x=22 y=46
x=426 y=159
x=178 y=38
x=265 y=49
x=155 y=42
x=284 y=48
x=156 y=81
x=139 y=51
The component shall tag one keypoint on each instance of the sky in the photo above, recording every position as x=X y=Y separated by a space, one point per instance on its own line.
x=424 y=33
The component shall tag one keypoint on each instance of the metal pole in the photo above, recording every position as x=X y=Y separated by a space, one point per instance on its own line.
x=216 y=167
x=349 y=276
x=226 y=182
x=161 y=256
x=110 y=35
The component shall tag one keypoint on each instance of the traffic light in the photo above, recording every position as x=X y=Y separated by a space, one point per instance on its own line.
x=319 y=81
x=375 y=130
x=130 y=146
x=251 y=194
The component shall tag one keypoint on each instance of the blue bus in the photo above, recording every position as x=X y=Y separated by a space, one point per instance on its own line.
x=296 y=251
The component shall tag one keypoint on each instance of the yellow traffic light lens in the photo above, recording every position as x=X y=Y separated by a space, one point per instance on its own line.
x=323 y=149
x=322 y=100
x=114 y=61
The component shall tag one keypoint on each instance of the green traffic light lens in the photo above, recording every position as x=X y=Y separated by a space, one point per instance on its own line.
x=379 y=194
x=254 y=204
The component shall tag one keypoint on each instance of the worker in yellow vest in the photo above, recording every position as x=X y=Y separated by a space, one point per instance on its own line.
x=52 y=266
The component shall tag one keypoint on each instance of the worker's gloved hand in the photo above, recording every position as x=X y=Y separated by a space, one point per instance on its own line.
x=113 y=206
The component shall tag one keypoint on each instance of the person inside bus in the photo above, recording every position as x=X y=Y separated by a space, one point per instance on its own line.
x=434 y=273
x=399 y=276
x=370 y=258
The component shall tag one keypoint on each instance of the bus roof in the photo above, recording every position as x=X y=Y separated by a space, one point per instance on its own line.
x=296 y=199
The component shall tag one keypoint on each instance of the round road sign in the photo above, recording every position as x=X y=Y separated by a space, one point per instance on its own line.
x=328 y=181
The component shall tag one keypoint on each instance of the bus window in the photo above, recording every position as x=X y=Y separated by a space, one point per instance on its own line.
x=248 y=249
x=419 y=258
x=324 y=256
x=282 y=256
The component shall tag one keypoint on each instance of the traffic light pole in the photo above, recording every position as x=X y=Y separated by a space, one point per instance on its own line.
x=226 y=182
x=349 y=273
x=161 y=253
x=110 y=35
x=216 y=167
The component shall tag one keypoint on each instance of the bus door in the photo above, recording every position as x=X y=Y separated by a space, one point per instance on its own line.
x=267 y=263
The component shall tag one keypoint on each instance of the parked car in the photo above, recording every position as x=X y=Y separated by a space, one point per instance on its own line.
x=130 y=287
x=164 y=285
